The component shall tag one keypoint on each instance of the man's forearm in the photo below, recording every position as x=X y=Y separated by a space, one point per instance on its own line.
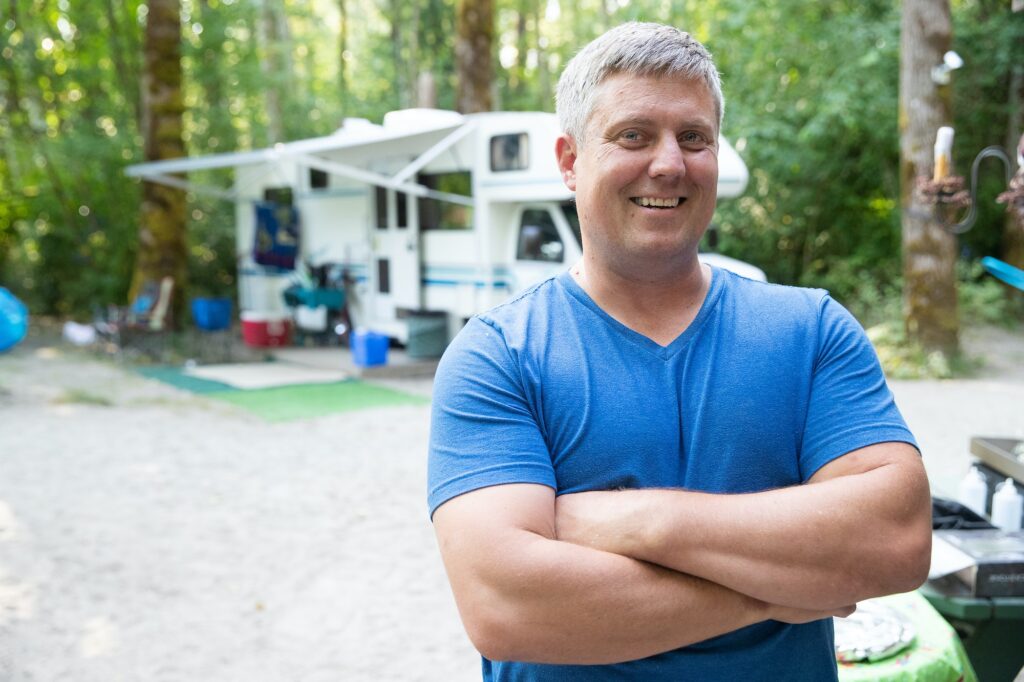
x=811 y=546
x=525 y=596
x=555 y=602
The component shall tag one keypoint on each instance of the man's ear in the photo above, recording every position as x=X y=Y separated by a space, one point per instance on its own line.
x=565 y=153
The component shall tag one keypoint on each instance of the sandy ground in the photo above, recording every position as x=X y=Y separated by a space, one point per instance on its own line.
x=168 y=537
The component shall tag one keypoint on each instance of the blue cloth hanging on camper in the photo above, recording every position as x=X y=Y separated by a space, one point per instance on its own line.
x=277 y=235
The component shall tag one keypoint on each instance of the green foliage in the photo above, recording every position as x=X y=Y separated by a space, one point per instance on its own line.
x=982 y=302
x=902 y=358
x=812 y=91
x=811 y=94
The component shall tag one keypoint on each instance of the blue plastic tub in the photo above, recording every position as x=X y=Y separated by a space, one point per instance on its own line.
x=211 y=314
x=369 y=348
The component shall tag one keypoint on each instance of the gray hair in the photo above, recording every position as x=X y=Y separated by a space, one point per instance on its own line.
x=642 y=49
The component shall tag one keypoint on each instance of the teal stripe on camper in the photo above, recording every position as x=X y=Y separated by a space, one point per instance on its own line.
x=451 y=275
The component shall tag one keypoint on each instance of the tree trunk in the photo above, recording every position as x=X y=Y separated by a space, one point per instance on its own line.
x=413 y=57
x=929 y=252
x=545 y=95
x=162 y=251
x=473 y=55
x=426 y=91
x=402 y=85
x=342 y=49
x=274 y=68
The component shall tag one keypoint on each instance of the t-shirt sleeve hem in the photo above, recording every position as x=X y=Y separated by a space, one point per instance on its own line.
x=849 y=441
x=484 y=479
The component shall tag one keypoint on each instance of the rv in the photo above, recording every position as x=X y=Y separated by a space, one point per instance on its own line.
x=429 y=212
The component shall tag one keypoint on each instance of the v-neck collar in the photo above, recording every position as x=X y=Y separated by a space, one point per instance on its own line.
x=644 y=342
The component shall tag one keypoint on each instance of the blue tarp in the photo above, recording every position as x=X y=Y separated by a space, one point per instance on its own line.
x=13 y=320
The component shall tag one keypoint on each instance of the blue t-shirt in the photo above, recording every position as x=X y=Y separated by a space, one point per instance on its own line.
x=768 y=384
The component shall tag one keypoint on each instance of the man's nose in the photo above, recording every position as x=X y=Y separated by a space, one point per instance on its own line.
x=668 y=158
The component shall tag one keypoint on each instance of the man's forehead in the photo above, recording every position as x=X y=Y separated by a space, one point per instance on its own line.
x=612 y=99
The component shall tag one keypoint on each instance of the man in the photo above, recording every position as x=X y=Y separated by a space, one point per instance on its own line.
x=649 y=469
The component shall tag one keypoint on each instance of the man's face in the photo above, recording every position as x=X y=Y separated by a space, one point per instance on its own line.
x=646 y=175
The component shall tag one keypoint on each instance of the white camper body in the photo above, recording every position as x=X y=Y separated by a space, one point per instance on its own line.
x=430 y=211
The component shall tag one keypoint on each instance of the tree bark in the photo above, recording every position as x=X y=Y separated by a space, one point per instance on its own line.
x=929 y=252
x=402 y=85
x=162 y=250
x=473 y=55
x=271 y=68
x=342 y=49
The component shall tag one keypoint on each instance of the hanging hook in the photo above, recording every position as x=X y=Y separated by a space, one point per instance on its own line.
x=972 y=213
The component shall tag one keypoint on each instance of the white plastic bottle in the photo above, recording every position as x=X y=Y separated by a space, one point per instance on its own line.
x=973 y=491
x=1007 y=506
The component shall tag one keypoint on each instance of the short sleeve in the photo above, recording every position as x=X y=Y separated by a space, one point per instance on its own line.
x=483 y=431
x=850 y=405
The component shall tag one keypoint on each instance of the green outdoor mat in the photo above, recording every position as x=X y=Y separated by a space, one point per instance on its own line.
x=175 y=377
x=303 y=401
x=284 y=403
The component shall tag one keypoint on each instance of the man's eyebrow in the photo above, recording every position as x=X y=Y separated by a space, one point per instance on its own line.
x=627 y=120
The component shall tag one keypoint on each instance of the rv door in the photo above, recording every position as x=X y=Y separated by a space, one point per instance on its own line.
x=396 y=254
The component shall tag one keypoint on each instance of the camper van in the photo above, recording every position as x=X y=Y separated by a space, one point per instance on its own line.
x=429 y=212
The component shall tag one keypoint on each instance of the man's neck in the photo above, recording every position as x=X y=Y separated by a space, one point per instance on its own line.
x=661 y=307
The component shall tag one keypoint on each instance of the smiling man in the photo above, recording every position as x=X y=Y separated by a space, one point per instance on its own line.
x=650 y=469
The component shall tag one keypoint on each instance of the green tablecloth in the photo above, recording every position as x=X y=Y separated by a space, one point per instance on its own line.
x=935 y=656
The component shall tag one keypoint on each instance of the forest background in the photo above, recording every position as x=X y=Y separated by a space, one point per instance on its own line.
x=811 y=90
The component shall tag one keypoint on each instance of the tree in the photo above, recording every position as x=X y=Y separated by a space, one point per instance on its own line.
x=473 y=55
x=162 y=250
x=929 y=251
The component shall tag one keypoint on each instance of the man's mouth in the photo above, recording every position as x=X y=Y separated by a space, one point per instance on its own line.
x=656 y=202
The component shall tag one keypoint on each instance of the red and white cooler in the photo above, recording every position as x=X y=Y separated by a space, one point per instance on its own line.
x=265 y=330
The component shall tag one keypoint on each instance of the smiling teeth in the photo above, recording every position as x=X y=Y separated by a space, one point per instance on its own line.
x=657 y=203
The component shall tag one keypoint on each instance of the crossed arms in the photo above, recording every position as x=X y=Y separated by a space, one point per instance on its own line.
x=602 y=577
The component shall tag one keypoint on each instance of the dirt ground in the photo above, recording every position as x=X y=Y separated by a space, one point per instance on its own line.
x=148 y=533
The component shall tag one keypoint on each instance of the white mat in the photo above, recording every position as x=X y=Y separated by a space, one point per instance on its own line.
x=265 y=374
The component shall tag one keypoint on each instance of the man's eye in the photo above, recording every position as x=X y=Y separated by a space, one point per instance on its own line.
x=693 y=138
x=631 y=136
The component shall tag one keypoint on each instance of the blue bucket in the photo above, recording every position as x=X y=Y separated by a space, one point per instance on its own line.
x=211 y=314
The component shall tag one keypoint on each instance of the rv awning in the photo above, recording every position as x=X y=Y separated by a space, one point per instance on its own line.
x=398 y=125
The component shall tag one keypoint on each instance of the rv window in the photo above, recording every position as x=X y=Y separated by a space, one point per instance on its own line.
x=317 y=178
x=436 y=214
x=383 y=276
x=510 y=152
x=382 y=209
x=282 y=196
x=538 y=238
